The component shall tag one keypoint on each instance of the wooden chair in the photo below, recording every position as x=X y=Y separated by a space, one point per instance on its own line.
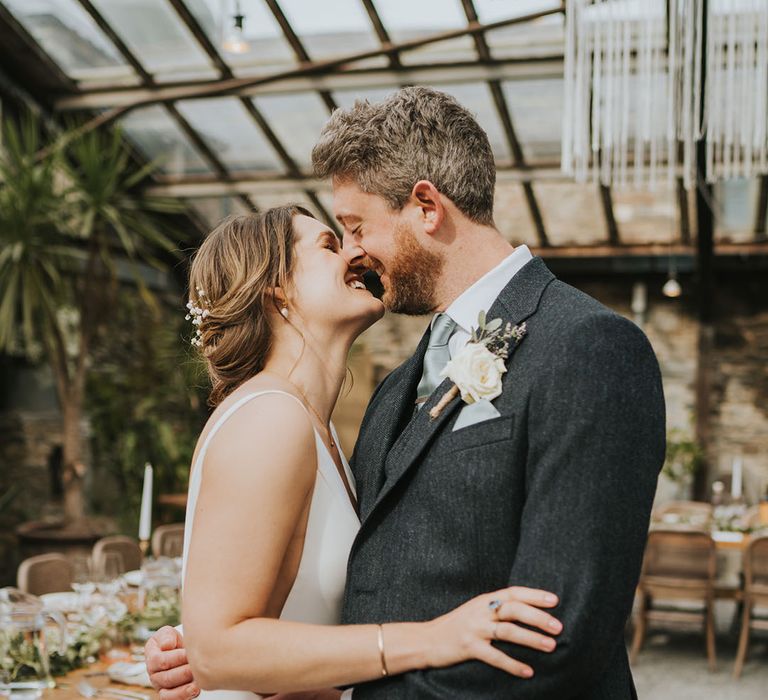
x=679 y=567
x=168 y=540
x=126 y=547
x=45 y=573
x=695 y=513
x=755 y=593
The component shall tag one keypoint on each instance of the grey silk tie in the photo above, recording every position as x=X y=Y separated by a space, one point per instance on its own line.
x=436 y=357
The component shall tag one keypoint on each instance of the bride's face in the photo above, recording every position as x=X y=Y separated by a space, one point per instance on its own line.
x=323 y=287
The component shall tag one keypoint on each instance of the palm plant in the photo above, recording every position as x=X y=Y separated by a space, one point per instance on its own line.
x=67 y=220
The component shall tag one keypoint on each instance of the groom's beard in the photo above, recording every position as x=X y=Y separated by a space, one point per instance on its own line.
x=411 y=276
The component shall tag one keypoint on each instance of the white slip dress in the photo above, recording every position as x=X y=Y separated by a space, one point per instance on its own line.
x=317 y=592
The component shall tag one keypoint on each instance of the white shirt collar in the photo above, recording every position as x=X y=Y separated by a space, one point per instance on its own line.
x=481 y=295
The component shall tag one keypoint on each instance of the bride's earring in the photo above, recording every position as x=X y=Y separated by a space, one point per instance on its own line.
x=284 y=312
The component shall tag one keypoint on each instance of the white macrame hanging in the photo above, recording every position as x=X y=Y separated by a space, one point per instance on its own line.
x=633 y=84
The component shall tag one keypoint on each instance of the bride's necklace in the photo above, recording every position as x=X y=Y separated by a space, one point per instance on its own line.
x=325 y=428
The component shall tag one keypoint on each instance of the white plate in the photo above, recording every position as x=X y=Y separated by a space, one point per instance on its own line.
x=60 y=602
x=133 y=578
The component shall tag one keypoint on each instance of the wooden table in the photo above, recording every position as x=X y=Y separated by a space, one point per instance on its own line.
x=67 y=685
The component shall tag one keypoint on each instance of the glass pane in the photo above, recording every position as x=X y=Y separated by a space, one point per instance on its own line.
x=573 y=214
x=159 y=39
x=476 y=97
x=161 y=139
x=644 y=216
x=540 y=37
x=231 y=133
x=735 y=209
x=495 y=10
x=406 y=20
x=213 y=209
x=267 y=48
x=331 y=27
x=296 y=120
x=536 y=107
x=512 y=216
x=69 y=35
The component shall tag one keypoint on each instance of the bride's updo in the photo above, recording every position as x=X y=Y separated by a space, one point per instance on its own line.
x=231 y=280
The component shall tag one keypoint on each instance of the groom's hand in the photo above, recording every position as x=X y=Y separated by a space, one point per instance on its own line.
x=167 y=665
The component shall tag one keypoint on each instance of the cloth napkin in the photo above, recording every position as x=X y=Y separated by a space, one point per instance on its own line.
x=130 y=674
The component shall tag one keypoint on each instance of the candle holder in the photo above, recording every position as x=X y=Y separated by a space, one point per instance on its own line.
x=144 y=547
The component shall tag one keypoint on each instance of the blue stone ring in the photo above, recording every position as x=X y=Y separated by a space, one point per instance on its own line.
x=494 y=606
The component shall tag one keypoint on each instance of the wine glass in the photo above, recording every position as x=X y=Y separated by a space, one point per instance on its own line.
x=110 y=569
x=83 y=576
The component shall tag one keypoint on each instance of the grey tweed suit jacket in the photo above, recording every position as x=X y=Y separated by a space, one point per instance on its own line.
x=555 y=493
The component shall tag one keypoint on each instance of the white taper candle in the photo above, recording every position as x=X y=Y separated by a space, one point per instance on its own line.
x=145 y=519
x=736 y=478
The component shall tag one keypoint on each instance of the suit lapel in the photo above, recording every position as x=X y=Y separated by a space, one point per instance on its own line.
x=517 y=301
x=390 y=415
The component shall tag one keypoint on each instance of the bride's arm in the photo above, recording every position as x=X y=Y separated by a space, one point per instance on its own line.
x=257 y=482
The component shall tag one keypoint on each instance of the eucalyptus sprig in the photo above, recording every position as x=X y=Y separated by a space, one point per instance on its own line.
x=495 y=335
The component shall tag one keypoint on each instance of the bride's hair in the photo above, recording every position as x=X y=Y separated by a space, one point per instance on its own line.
x=231 y=280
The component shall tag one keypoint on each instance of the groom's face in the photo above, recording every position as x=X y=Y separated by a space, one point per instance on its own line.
x=388 y=242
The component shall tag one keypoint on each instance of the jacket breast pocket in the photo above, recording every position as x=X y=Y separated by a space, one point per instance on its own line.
x=476 y=435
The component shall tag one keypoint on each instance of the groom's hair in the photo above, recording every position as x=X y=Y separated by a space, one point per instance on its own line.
x=414 y=134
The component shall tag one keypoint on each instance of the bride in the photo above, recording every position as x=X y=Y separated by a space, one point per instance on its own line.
x=272 y=514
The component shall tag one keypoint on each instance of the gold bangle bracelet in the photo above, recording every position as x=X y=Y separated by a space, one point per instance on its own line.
x=384 y=671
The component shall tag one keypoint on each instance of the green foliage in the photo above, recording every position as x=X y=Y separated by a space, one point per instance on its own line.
x=684 y=456
x=72 y=217
x=33 y=250
x=146 y=403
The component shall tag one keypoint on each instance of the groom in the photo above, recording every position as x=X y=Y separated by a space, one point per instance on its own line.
x=547 y=485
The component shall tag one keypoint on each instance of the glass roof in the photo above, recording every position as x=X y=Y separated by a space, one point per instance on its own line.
x=296 y=120
x=331 y=29
x=70 y=36
x=160 y=139
x=267 y=48
x=537 y=112
x=232 y=135
x=207 y=139
x=213 y=209
x=407 y=20
x=153 y=32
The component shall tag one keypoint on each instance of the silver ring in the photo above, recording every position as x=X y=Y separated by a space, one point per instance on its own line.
x=494 y=606
x=495 y=631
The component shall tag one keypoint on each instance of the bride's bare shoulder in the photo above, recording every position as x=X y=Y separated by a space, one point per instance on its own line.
x=270 y=419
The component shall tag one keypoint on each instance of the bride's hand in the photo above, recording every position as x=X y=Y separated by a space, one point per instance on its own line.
x=468 y=631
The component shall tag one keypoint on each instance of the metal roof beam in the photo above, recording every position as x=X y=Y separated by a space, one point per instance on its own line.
x=381 y=32
x=117 y=40
x=685 y=212
x=512 y=69
x=298 y=48
x=761 y=230
x=610 y=219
